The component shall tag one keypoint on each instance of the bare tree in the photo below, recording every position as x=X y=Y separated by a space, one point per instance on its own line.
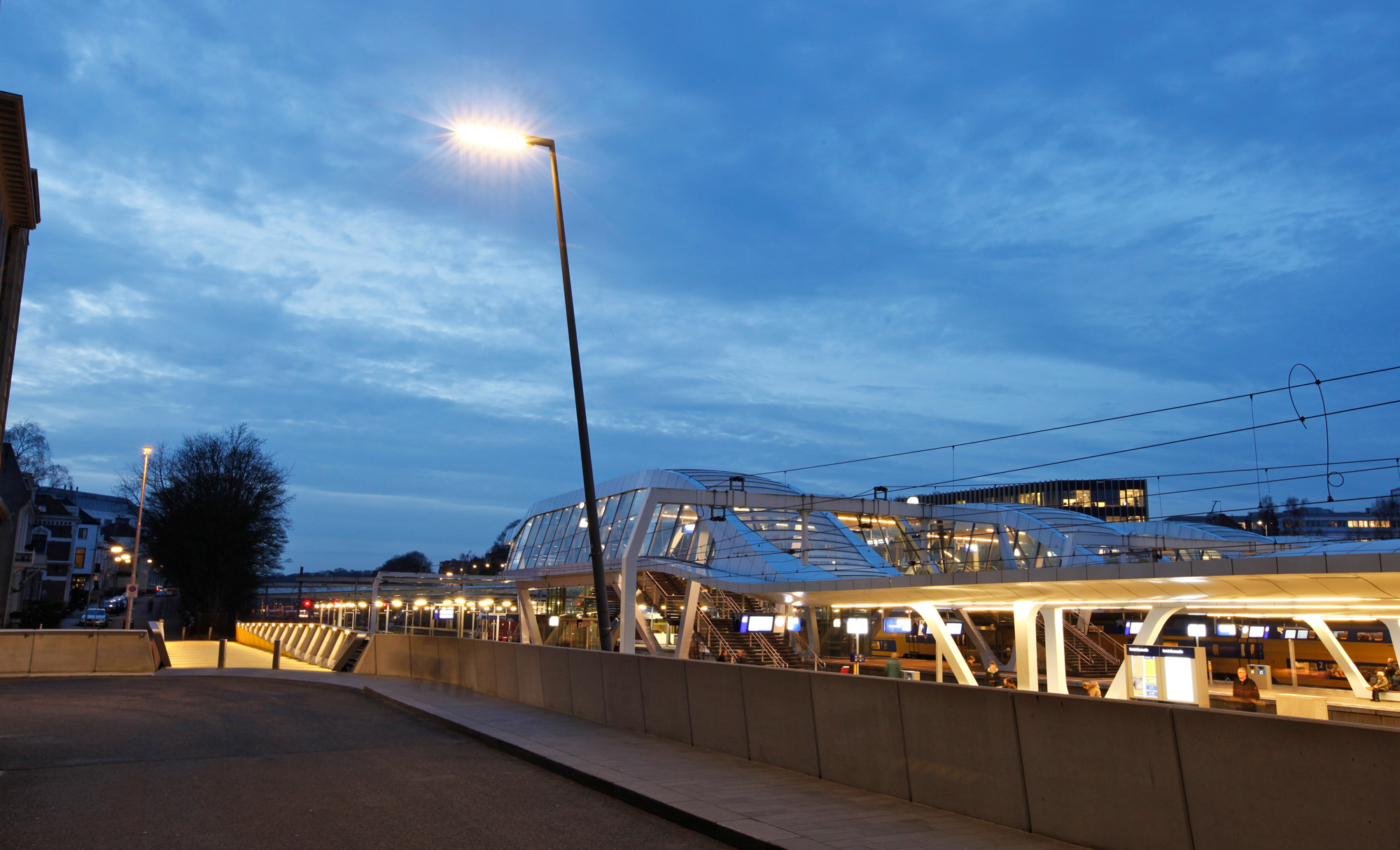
x=31 y=447
x=216 y=519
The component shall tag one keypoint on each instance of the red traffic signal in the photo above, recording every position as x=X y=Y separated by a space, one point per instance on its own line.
x=306 y=603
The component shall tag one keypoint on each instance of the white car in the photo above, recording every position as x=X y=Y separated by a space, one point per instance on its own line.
x=95 y=618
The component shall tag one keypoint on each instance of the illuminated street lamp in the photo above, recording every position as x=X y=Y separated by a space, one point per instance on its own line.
x=495 y=137
x=136 y=549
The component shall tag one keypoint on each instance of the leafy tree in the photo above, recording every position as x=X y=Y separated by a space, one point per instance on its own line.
x=31 y=447
x=408 y=562
x=215 y=520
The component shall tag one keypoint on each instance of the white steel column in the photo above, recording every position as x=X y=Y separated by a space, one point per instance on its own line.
x=689 y=611
x=627 y=592
x=944 y=641
x=1151 y=630
x=813 y=636
x=1056 y=681
x=1392 y=625
x=626 y=631
x=1027 y=653
x=530 y=627
x=1334 y=646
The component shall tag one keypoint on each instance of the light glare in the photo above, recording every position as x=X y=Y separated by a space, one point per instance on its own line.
x=489 y=137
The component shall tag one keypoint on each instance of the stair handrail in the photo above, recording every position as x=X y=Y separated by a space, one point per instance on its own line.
x=704 y=621
x=805 y=648
x=1114 y=655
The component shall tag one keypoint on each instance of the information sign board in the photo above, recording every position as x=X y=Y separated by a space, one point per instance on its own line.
x=1168 y=674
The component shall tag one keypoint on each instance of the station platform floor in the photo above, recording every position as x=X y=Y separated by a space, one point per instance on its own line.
x=739 y=802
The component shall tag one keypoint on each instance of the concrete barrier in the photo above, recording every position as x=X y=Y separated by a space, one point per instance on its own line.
x=622 y=692
x=466 y=663
x=60 y=652
x=449 y=669
x=527 y=669
x=778 y=714
x=507 y=674
x=860 y=733
x=665 y=703
x=554 y=679
x=1260 y=781
x=485 y=656
x=423 y=658
x=1104 y=773
x=124 y=652
x=392 y=655
x=586 y=685
x=68 y=652
x=1101 y=773
x=715 y=698
x=963 y=751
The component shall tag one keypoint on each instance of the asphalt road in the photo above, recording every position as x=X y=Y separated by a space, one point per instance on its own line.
x=193 y=762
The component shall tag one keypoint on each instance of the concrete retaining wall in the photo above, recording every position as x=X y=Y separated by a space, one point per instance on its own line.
x=1100 y=773
x=64 y=652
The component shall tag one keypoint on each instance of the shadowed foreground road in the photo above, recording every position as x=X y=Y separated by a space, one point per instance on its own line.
x=194 y=762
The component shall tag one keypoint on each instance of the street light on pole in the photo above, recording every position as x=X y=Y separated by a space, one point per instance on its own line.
x=136 y=549
x=493 y=137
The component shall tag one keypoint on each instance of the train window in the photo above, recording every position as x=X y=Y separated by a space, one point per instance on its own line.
x=1340 y=633
x=1376 y=637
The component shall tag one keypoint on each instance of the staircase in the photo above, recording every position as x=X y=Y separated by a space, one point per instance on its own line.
x=715 y=629
x=1084 y=657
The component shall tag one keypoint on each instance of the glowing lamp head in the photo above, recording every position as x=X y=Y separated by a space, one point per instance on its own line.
x=147 y=450
x=489 y=137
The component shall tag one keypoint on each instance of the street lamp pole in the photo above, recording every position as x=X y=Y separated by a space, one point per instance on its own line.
x=136 y=550
x=590 y=497
x=497 y=138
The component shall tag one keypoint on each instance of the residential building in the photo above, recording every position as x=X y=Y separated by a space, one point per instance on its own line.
x=19 y=214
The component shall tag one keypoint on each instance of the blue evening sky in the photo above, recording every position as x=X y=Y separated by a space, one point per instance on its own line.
x=800 y=232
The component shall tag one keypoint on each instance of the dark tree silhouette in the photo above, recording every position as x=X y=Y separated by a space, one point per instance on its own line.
x=408 y=562
x=215 y=520
x=31 y=447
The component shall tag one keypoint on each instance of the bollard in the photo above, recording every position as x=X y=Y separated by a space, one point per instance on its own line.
x=223 y=648
x=210 y=636
x=277 y=654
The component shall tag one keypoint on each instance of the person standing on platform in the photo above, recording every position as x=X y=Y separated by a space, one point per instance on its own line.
x=1092 y=689
x=893 y=669
x=1246 y=693
x=993 y=676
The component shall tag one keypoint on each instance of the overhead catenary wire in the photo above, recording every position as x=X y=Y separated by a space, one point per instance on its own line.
x=1100 y=421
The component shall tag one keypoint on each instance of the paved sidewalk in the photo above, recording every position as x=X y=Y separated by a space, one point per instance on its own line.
x=732 y=799
x=743 y=803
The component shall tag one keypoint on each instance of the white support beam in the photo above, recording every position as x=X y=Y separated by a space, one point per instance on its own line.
x=689 y=612
x=1151 y=630
x=530 y=631
x=1027 y=655
x=644 y=631
x=944 y=641
x=1056 y=682
x=814 y=638
x=1339 y=654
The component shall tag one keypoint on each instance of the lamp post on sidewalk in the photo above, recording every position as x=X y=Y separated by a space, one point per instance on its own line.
x=136 y=548
x=506 y=140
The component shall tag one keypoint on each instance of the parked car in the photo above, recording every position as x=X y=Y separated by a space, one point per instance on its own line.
x=115 y=605
x=93 y=618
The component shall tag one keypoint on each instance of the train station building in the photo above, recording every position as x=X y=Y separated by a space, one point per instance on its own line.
x=749 y=569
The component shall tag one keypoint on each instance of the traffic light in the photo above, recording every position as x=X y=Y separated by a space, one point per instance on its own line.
x=306 y=603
